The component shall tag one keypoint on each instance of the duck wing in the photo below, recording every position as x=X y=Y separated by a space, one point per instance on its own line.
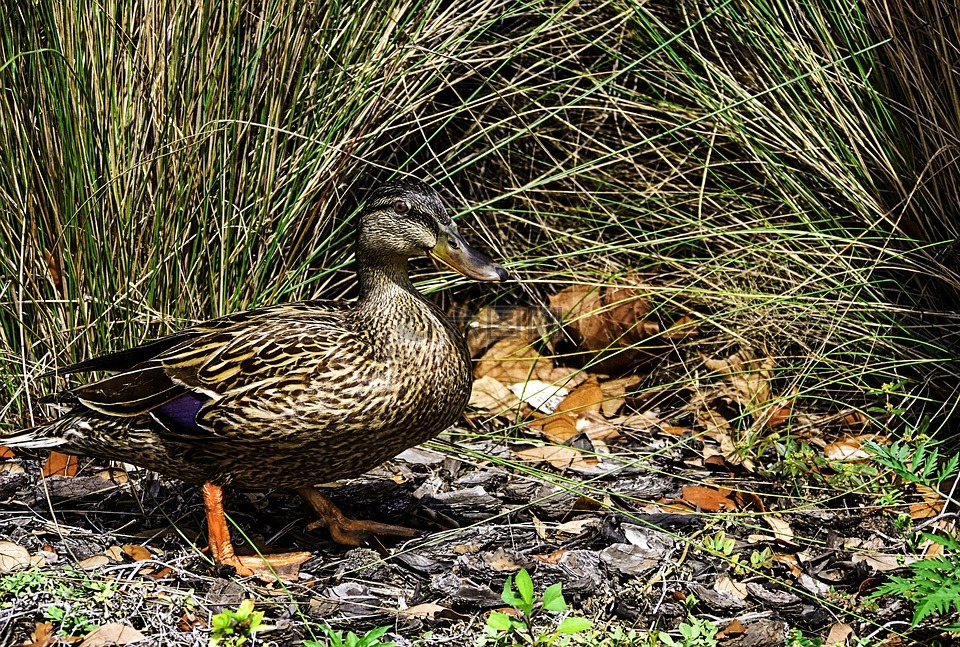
x=209 y=360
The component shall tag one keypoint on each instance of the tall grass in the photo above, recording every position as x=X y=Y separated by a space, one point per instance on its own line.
x=784 y=171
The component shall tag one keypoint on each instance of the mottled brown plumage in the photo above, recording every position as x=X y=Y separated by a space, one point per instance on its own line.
x=297 y=394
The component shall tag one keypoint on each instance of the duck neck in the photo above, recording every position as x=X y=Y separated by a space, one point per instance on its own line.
x=383 y=280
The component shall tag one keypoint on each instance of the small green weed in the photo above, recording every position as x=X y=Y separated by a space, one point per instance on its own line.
x=518 y=593
x=696 y=632
x=337 y=639
x=235 y=628
x=719 y=544
x=795 y=639
x=67 y=620
x=23 y=582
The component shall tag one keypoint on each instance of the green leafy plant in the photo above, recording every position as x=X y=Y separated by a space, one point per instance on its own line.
x=696 y=632
x=719 y=543
x=795 y=638
x=518 y=592
x=921 y=463
x=934 y=585
x=69 y=621
x=22 y=582
x=337 y=639
x=235 y=628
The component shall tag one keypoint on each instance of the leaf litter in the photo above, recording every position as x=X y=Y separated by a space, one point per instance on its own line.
x=602 y=480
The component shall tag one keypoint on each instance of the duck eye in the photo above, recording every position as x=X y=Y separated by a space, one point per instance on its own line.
x=401 y=206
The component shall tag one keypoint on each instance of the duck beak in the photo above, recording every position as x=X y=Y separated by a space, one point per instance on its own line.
x=452 y=250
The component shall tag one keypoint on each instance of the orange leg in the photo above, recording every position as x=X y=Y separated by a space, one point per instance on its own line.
x=345 y=531
x=286 y=565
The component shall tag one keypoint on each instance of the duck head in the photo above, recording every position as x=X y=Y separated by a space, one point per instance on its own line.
x=406 y=218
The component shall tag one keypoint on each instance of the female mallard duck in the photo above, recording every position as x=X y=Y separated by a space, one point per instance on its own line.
x=290 y=395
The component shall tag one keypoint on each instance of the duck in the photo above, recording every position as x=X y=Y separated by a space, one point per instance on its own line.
x=290 y=395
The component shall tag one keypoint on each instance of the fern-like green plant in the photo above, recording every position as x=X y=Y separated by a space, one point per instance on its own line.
x=933 y=586
x=920 y=463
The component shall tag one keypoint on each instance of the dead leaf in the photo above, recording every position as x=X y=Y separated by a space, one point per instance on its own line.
x=94 y=562
x=491 y=324
x=541 y=396
x=6 y=452
x=190 y=620
x=781 y=529
x=561 y=426
x=430 y=611
x=137 y=553
x=855 y=419
x=42 y=636
x=708 y=499
x=748 y=500
x=114 y=475
x=735 y=628
x=58 y=464
x=747 y=378
x=515 y=361
x=685 y=326
x=611 y=321
x=883 y=562
x=490 y=395
x=925 y=510
x=726 y=585
x=577 y=526
x=838 y=634
x=848 y=448
x=464 y=549
x=552 y=558
x=113 y=633
x=559 y=457
x=614 y=392
x=159 y=575
x=501 y=560
x=13 y=557
x=115 y=553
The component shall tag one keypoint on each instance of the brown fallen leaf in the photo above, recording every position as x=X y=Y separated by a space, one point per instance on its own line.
x=515 y=361
x=725 y=584
x=137 y=553
x=930 y=505
x=848 y=448
x=159 y=575
x=115 y=553
x=781 y=529
x=491 y=324
x=113 y=633
x=838 y=634
x=748 y=500
x=491 y=396
x=430 y=611
x=561 y=426
x=614 y=392
x=708 y=499
x=612 y=322
x=190 y=620
x=42 y=636
x=551 y=558
x=746 y=377
x=6 y=452
x=734 y=628
x=58 y=464
x=13 y=557
x=559 y=457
